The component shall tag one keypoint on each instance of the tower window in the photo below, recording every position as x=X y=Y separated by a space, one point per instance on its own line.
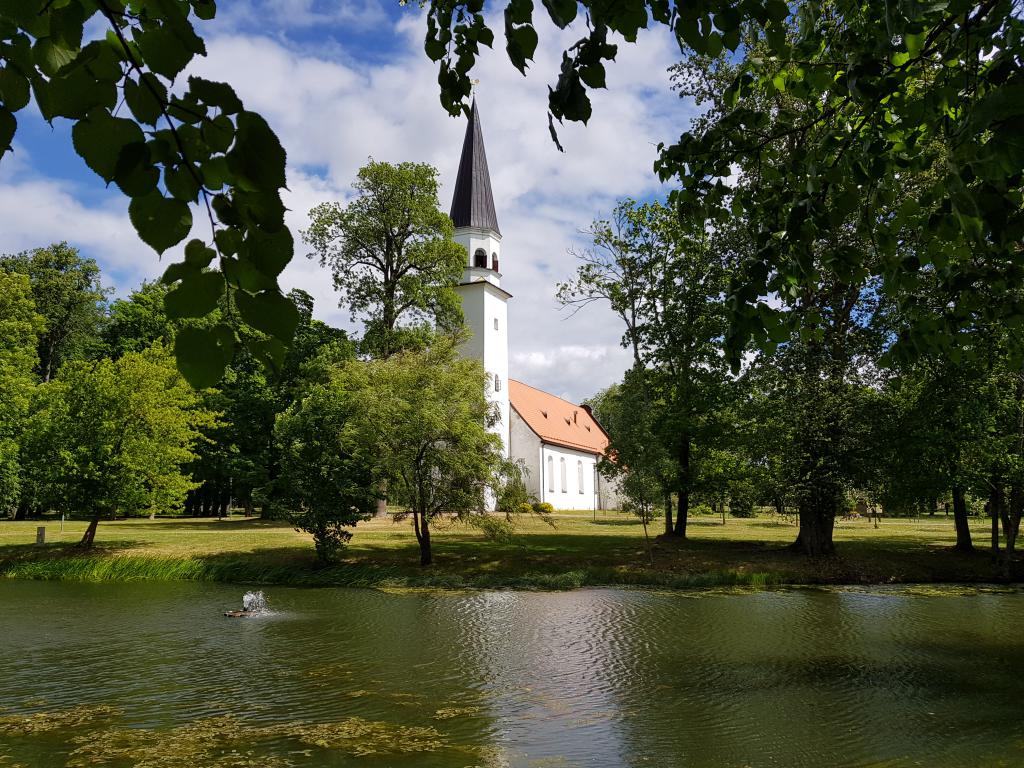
x=480 y=258
x=494 y=261
x=497 y=383
x=579 y=470
x=551 y=474
x=495 y=323
x=565 y=481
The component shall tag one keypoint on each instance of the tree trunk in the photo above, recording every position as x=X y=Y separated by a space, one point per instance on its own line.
x=963 y=530
x=817 y=513
x=683 y=511
x=995 y=508
x=422 y=526
x=21 y=512
x=1015 y=507
x=90 y=533
x=668 y=513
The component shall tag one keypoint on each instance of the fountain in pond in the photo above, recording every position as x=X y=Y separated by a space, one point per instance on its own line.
x=253 y=604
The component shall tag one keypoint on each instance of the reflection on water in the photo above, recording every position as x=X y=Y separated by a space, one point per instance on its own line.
x=155 y=676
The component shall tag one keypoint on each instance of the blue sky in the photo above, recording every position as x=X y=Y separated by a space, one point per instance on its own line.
x=344 y=80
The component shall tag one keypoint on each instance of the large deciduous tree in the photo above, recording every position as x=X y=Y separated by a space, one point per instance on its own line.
x=19 y=328
x=110 y=437
x=325 y=483
x=422 y=418
x=832 y=106
x=666 y=284
x=392 y=255
x=67 y=292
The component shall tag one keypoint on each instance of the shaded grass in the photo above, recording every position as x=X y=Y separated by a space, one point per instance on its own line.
x=578 y=552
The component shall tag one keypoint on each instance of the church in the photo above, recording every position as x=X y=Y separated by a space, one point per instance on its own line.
x=559 y=442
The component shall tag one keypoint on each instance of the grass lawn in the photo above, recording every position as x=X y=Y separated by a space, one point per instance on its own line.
x=579 y=551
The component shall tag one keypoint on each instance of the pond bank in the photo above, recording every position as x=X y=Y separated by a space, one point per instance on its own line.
x=580 y=551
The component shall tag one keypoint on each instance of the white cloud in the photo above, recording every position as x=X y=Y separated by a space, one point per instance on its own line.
x=333 y=110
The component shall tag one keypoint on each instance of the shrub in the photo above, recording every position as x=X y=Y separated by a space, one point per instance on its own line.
x=496 y=529
x=525 y=508
x=543 y=508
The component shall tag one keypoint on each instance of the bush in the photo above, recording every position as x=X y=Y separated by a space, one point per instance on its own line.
x=543 y=508
x=701 y=509
x=496 y=529
x=525 y=508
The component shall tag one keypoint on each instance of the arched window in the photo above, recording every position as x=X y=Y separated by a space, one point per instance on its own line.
x=497 y=383
x=494 y=261
x=551 y=474
x=579 y=471
x=565 y=481
x=480 y=258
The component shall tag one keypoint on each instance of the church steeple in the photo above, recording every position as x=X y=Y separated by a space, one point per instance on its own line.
x=473 y=203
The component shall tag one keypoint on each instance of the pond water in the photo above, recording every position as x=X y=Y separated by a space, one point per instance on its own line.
x=154 y=675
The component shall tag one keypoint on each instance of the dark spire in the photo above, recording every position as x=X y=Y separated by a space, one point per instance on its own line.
x=473 y=203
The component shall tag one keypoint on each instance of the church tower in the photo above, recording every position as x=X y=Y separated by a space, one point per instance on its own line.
x=484 y=301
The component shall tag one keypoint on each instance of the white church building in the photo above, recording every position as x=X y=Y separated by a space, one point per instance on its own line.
x=559 y=442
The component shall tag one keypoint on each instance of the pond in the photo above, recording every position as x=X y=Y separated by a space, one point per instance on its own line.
x=154 y=675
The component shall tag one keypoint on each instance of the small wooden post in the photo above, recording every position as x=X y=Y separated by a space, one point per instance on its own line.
x=41 y=535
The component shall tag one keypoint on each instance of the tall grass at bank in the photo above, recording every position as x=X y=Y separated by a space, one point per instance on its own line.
x=120 y=568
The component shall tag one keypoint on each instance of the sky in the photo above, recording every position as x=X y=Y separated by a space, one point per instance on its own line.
x=344 y=80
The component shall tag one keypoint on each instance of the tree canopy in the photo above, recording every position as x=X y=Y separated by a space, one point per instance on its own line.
x=392 y=255
x=827 y=110
x=170 y=152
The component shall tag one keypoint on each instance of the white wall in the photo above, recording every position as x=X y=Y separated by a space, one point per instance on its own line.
x=524 y=445
x=527 y=446
x=571 y=497
x=482 y=305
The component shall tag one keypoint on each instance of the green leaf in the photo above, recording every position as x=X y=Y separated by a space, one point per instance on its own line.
x=99 y=139
x=77 y=92
x=8 y=126
x=202 y=354
x=269 y=352
x=141 y=100
x=51 y=55
x=195 y=296
x=161 y=222
x=199 y=254
x=162 y=51
x=270 y=312
x=135 y=172
x=181 y=182
x=220 y=95
x=14 y=90
x=270 y=253
x=562 y=12
x=218 y=133
x=245 y=275
x=257 y=157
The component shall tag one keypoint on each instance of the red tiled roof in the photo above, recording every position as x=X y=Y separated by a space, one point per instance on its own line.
x=557 y=421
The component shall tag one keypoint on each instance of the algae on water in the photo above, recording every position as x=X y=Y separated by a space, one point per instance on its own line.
x=41 y=722
x=226 y=742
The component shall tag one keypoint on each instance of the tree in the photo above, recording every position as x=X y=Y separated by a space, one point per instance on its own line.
x=138 y=321
x=68 y=294
x=19 y=328
x=392 y=255
x=666 y=283
x=874 y=92
x=421 y=418
x=111 y=437
x=165 y=151
x=323 y=484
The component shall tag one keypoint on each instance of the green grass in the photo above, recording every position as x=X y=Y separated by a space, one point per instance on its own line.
x=579 y=551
